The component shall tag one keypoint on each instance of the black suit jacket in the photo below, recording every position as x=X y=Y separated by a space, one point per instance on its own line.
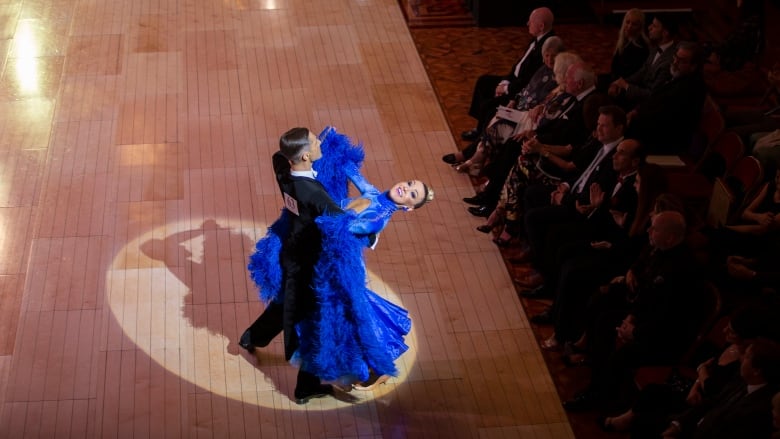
x=667 y=301
x=604 y=175
x=602 y=223
x=305 y=199
x=568 y=128
x=730 y=416
x=530 y=65
x=650 y=76
x=665 y=122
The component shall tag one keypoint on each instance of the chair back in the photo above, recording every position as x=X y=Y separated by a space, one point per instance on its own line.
x=748 y=172
x=711 y=125
x=722 y=155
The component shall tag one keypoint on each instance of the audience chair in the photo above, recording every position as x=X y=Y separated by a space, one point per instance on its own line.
x=734 y=192
x=749 y=173
x=697 y=187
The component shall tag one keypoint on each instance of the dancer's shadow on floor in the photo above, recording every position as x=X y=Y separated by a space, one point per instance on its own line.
x=210 y=290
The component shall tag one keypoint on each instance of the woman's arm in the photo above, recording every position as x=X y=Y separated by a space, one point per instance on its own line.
x=750 y=213
x=357 y=179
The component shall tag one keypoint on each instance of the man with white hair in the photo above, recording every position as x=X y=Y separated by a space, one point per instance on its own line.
x=562 y=123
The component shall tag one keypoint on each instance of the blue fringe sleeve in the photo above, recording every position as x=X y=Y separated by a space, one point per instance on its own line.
x=338 y=153
x=264 y=266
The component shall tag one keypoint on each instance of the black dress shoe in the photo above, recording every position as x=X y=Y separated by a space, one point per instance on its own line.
x=476 y=200
x=481 y=211
x=449 y=159
x=469 y=135
x=543 y=318
x=583 y=401
x=302 y=397
x=537 y=293
x=246 y=342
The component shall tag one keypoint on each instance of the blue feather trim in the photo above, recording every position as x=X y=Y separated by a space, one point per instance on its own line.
x=264 y=267
x=337 y=151
x=354 y=329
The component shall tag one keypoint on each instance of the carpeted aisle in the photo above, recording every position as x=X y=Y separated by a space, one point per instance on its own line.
x=454 y=58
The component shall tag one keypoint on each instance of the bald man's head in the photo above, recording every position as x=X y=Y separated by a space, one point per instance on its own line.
x=540 y=21
x=667 y=230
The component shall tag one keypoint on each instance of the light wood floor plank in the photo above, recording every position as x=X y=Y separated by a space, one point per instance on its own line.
x=135 y=179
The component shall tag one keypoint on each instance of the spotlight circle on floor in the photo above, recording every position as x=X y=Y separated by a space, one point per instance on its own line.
x=180 y=292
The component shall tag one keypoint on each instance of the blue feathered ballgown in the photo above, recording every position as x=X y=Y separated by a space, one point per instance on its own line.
x=354 y=329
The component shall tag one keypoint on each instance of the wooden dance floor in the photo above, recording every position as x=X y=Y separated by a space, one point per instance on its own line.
x=135 y=177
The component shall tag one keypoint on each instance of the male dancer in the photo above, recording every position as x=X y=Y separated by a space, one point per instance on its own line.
x=305 y=199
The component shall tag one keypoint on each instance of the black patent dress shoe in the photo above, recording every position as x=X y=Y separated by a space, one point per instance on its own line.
x=322 y=390
x=449 y=159
x=246 y=342
x=583 y=401
x=476 y=200
x=485 y=228
x=481 y=211
x=543 y=318
x=469 y=135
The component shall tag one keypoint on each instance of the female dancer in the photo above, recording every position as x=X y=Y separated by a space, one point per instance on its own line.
x=356 y=333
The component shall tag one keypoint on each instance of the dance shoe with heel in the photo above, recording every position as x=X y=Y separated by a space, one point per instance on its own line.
x=372 y=383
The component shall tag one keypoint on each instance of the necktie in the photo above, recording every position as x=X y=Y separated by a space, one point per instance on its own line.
x=580 y=184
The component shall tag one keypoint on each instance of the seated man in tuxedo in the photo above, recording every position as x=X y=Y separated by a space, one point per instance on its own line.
x=562 y=123
x=744 y=407
x=665 y=122
x=490 y=91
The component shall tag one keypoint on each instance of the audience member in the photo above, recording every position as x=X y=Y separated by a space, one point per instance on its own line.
x=490 y=91
x=750 y=250
x=657 y=301
x=743 y=408
x=631 y=50
x=562 y=123
x=546 y=206
x=666 y=120
x=542 y=86
x=587 y=262
x=635 y=89
x=547 y=165
x=649 y=414
x=592 y=215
